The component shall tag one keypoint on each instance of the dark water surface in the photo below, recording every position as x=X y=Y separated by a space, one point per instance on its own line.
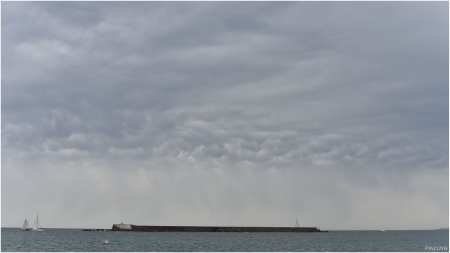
x=13 y=239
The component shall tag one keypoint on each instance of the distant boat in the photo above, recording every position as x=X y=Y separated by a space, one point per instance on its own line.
x=36 y=225
x=25 y=226
x=381 y=230
x=296 y=223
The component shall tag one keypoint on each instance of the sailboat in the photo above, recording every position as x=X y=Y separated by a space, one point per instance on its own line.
x=36 y=225
x=25 y=226
x=296 y=223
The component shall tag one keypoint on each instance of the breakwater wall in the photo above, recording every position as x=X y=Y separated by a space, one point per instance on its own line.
x=130 y=227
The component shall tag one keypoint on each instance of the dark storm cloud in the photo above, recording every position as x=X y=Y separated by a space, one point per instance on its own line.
x=221 y=110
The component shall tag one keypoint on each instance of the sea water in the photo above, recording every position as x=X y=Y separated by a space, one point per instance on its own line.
x=13 y=239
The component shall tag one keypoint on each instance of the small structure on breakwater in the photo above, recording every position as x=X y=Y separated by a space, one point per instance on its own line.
x=138 y=228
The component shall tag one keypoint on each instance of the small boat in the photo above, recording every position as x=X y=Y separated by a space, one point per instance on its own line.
x=296 y=223
x=37 y=225
x=25 y=226
x=381 y=230
x=106 y=242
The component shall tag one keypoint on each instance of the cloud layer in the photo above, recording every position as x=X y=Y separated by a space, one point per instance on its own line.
x=186 y=113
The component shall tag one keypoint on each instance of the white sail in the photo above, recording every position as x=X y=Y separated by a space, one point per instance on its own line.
x=36 y=225
x=25 y=225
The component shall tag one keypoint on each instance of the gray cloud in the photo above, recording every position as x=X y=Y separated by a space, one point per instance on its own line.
x=225 y=114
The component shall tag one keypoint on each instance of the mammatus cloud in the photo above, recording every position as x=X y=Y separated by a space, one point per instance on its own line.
x=225 y=114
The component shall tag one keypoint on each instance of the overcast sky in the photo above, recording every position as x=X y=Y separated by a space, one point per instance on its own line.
x=225 y=113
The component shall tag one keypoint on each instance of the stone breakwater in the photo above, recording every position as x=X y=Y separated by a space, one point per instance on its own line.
x=130 y=227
